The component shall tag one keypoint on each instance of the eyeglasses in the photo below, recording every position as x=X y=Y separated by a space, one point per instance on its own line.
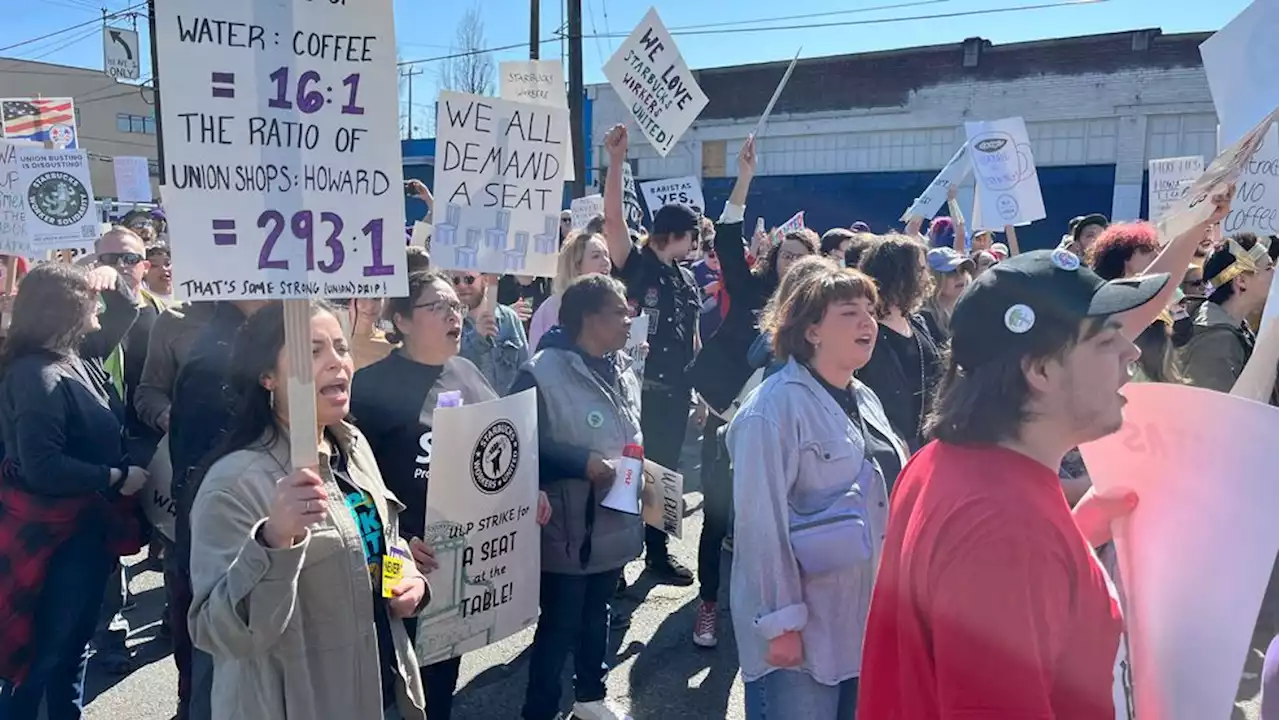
x=438 y=307
x=788 y=256
x=464 y=280
x=126 y=259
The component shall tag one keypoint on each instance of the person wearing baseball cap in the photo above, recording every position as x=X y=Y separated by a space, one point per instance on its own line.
x=952 y=273
x=1083 y=230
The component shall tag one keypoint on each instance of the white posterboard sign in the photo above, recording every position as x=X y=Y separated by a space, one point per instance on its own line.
x=1256 y=206
x=1241 y=63
x=59 y=195
x=637 y=336
x=652 y=79
x=283 y=169
x=1168 y=180
x=500 y=179
x=951 y=175
x=133 y=181
x=1005 y=171
x=630 y=199
x=1194 y=561
x=662 y=499
x=687 y=190
x=13 y=201
x=583 y=209
x=538 y=82
x=482 y=509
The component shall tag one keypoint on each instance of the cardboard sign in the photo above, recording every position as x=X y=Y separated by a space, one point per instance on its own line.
x=133 y=181
x=500 y=179
x=538 y=82
x=687 y=190
x=284 y=175
x=1241 y=63
x=952 y=174
x=662 y=499
x=1168 y=180
x=584 y=208
x=482 y=510
x=1008 y=189
x=157 y=494
x=1256 y=206
x=58 y=193
x=40 y=120
x=653 y=81
x=13 y=202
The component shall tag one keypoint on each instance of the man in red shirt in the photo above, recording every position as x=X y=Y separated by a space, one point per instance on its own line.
x=989 y=602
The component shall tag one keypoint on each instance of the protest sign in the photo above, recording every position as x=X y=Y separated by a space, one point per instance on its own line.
x=1005 y=171
x=637 y=336
x=796 y=222
x=583 y=209
x=1256 y=205
x=40 y=120
x=687 y=190
x=1241 y=63
x=1168 y=180
x=538 y=82
x=1196 y=206
x=653 y=81
x=157 y=493
x=482 y=509
x=283 y=170
x=59 y=198
x=500 y=179
x=630 y=200
x=952 y=174
x=133 y=181
x=420 y=235
x=662 y=499
x=1196 y=554
x=13 y=201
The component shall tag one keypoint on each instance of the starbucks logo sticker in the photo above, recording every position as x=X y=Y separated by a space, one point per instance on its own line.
x=495 y=458
x=595 y=419
x=58 y=199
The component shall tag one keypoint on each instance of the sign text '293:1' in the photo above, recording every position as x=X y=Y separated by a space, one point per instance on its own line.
x=302 y=225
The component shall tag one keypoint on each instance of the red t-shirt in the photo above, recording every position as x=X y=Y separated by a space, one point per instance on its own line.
x=989 y=604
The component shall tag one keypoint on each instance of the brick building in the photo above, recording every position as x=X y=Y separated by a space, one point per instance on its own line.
x=856 y=137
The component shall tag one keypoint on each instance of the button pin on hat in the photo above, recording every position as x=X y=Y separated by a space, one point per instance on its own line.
x=1019 y=318
x=1064 y=259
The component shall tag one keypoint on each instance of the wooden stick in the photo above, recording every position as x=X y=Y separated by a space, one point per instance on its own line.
x=303 y=442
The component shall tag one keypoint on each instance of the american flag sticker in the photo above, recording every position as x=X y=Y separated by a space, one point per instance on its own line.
x=40 y=120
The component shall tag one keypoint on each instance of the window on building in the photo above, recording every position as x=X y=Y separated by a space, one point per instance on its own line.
x=139 y=124
x=122 y=123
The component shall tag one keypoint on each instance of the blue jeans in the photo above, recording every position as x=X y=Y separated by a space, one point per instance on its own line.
x=794 y=694
x=575 y=619
x=64 y=624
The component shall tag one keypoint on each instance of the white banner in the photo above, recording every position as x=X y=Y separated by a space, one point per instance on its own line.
x=952 y=174
x=13 y=201
x=652 y=79
x=1168 y=180
x=284 y=176
x=500 y=180
x=687 y=190
x=637 y=336
x=1257 y=202
x=59 y=196
x=538 y=82
x=1241 y=63
x=584 y=208
x=482 y=509
x=1005 y=170
x=662 y=499
x=133 y=181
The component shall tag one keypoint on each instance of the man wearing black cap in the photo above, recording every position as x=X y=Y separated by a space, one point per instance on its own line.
x=989 y=601
x=660 y=288
x=1083 y=230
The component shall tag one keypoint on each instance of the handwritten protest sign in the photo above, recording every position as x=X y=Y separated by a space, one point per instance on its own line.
x=687 y=190
x=59 y=196
x=631 y=200
x=500 y=179
x=583 y=209
x=662 y=499
x=538 y=82
x=1168 y=180
x=283 y=169
x=637 y=336
x=482 y=506
x=1256 y=206
x=653 y=81
x=795 y=223
x=1241 y=63
x=1005 y=170
x=133 y=180
x=951 y=175
x=1188 y=636
x=13 y=201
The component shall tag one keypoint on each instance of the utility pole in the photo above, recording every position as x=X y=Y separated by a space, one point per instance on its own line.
x=534 y=30
x=576 y=98
x=410 y=73
x=155 y=85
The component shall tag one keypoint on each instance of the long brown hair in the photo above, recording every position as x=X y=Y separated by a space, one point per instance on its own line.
x=50 y=312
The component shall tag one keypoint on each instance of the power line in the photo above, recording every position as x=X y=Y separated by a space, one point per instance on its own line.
x=469 y=53
x=809 y=16
x=591 y=15
x=77 y=26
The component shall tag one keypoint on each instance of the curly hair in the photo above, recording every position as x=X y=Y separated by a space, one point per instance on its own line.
x=897 y=264
x=1111 y=252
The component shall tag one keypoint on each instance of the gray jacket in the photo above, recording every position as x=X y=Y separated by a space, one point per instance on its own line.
x=580 y=412
x=793 y=446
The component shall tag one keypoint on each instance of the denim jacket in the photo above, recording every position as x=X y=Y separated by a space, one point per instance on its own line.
x=500 y=357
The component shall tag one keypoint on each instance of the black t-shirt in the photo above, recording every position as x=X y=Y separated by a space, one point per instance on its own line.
x=878 y=446
x=671 y=299
x=511 y=291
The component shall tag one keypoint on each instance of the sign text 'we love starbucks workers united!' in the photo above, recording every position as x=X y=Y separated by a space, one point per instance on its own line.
x=282 y=160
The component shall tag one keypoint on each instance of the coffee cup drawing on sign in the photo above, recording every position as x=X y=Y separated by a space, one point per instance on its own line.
x=1000 y=162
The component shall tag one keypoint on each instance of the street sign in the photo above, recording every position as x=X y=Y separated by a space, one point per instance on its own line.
x=120 y=53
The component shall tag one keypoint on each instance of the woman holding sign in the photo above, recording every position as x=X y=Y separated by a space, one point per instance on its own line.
x=299 y=575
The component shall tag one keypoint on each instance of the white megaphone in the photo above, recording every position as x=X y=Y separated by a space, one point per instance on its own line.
x=628 y=480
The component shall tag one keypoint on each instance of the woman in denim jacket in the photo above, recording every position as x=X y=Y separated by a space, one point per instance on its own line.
x=811 y=451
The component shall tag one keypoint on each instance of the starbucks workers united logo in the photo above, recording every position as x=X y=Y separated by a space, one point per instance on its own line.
x=58 y=198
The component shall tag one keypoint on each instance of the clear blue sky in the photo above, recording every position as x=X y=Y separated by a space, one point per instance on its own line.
x=426 y=28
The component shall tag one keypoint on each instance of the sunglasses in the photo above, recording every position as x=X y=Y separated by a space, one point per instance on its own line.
x=127 y=259
x=464 y=280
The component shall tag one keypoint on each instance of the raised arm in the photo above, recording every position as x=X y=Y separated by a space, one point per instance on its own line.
x=615 y=215
x=734 y=271
x=120 y=311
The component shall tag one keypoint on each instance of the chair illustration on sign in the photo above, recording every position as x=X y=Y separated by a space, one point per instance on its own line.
x=445 y=625
x=548 y=241
x=464 y=256
x=513 y=260
x=446 y=234
x=495 y=238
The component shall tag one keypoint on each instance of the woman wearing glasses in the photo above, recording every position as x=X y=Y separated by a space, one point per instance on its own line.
x=393 y=402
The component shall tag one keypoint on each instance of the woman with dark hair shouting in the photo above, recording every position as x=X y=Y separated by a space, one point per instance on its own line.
x=286 y=562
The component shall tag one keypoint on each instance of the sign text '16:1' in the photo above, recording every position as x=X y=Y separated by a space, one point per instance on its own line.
x=303 y=227
x=308 y=99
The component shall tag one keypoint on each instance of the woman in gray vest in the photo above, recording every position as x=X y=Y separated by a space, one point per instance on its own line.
x=588 y=411
x=811 y=450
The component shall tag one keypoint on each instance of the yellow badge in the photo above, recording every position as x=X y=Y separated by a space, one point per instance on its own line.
x=392 y=572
